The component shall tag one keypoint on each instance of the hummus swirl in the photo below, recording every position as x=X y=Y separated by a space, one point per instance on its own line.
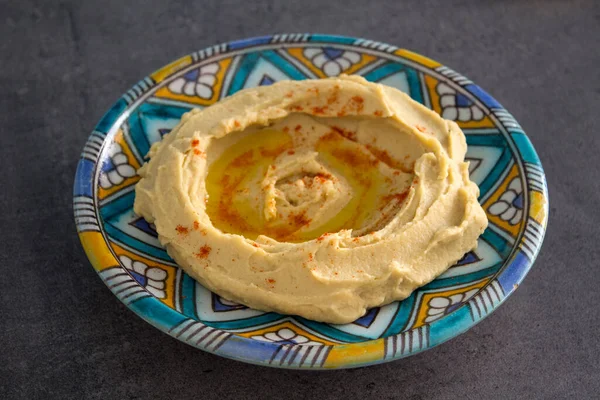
x=320 y=198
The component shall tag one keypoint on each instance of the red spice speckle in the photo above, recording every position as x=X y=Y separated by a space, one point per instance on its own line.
x=345 y=133
x=378 y=113
x=291 y=152
x=255 y=245
x=399 y=197
x=420 y=128
x=396 y=173
x=286 y=129
x=236 y=123
x=289 y=94
x=199 y=153
x=203 y=252
x=350 y=156
x=298 y=220
x=322 y=178
x=384 y=156
x=196 y=225
x=243 y=160
x=271 y=281
x=297 y=108
x=323 y=236
x=195 y=142
x=310 y=256
x=319 y=110
x=358 y=103
x=265 y=152
x=182 y=230
x=297 y=128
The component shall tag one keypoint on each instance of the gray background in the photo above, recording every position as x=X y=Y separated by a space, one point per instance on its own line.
x=64 y=335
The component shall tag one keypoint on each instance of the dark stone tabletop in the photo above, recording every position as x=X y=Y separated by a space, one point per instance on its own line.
x=63 y=335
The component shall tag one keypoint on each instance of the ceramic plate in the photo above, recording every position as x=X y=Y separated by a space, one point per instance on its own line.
x=124 y=249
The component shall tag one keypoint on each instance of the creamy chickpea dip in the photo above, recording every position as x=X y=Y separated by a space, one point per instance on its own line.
x=320 y=198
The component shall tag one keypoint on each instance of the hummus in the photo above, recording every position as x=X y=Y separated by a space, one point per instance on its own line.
x=320 y=198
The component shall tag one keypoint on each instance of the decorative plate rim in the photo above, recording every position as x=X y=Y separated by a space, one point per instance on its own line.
x=349 y=355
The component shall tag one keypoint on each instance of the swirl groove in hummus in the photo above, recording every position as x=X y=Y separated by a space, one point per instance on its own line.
x=320 y=198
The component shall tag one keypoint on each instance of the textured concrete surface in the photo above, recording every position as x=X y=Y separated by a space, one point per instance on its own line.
x=63 y=335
